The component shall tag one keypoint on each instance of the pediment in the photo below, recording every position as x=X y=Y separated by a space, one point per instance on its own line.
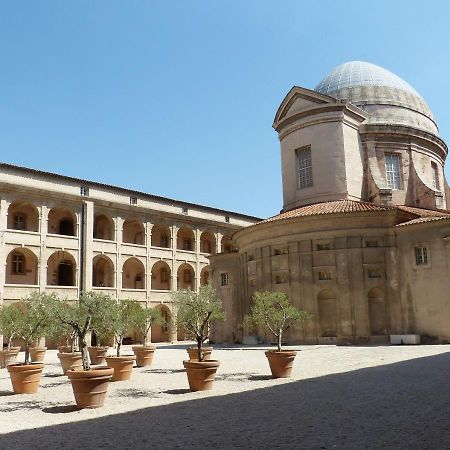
x=300 y=99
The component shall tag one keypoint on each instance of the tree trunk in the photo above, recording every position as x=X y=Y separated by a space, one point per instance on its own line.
x=27 y=353
x=200 y=349
x=279 y=341
x=9 y=344
x=84 y=352
x=119 y=345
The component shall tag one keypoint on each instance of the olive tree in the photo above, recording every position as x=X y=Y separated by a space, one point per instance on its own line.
x=273 y=310
x=196 y=311
x=144 y=318
x=9 y=317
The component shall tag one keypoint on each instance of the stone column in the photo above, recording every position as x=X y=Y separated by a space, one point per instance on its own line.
x=88 y=237
x=42 y=263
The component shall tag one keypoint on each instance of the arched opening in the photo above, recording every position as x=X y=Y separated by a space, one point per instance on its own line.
x=185 y=240
x=133 y=274
x=102 y=272
x=23 y=216
x=204 y=276
x=161 y=333
x=186 y=277
x=21 y=267
x=327 y=313
x=161 y=276
x=103 y=228
x=61 y=268
x=161 y=236
x=377 y=312
x=207 y=243
x=226 y=244
x=61 y=221
x=133 y=232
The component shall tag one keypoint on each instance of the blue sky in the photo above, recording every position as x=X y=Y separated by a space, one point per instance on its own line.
x=177 y=98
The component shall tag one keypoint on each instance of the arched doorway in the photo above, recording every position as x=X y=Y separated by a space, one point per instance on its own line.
x=161 y=276
x=133 y=274
x=102 y=272
x=61 y=269
x=186 y=277
x=61 y=221
x=161 y=333
x=327 y=308
x=21 y=267
x=377 y=312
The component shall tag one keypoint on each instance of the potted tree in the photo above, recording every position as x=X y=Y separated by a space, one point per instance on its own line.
x=273 y=310
x=98 y=352
x=8 y=321
x=89 y=385
x=31 y=324
x=118 y=318
x=143 y=319
x=195 y=312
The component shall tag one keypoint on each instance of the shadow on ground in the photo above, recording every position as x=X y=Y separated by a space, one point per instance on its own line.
x=399 y=406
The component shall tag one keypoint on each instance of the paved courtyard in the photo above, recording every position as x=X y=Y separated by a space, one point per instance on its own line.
x=339 y=397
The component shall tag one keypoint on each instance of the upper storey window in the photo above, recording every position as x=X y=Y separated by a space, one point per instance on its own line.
x=435 y=171
x=392 y=162
x=19 y=222
x=304 y=168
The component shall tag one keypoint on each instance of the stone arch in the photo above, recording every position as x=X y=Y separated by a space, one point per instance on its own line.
x=377 y=312
x=133 y=274
x=204 y=276
x=62 y=221
x=327 y=308
x=207 y=243
x=103 y=227
x=161 y=276
x=102 y=271
x=21 y=267
x=23 y=216
x=133 y=232
x=161 y=333
x=161 y=236
x=61 y=269
x=226 y=244
x=186 y=277
x=186 y=239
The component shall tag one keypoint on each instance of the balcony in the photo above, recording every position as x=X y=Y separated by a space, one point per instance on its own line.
x=61 y=241
x=19 y=237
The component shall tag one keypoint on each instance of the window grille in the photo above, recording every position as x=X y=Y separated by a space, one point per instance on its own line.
x=18 y=264
x=392 y=162
x=324 y=246
x=421 y=256
x=224 y=279
x=187 y=244
x=19 y=222
x=84 y=191
x=325 y=276
x=133 y=200
x=304 y=168
x=374 y=274
x=164 y=240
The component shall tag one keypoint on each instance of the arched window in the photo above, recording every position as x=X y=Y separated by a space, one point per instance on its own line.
x=327 y=313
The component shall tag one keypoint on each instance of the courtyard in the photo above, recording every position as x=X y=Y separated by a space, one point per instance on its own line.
x=338 y=397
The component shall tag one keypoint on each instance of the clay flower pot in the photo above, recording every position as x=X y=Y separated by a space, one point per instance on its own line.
x=65 y=349
x=122 y=365
x=281 y=362
x=25 y=378
x=97 y=355
x=201 y=374
x=37 y=354
x=8 y=357
x=144 y=355
x=90 y=386
x=193 y=353
x=70 y=361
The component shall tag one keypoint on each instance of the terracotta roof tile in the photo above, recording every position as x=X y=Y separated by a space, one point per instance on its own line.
x=424 y=220
x=424 y=212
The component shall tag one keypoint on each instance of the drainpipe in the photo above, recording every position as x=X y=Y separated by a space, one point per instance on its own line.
x=82 y=246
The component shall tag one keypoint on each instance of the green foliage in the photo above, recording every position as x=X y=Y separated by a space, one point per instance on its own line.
x=34 y=319
x=9 y=318
x=273 y=310
x=196 y=311
x=144 y=318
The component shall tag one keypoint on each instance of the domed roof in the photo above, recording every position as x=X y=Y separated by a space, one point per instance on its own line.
x=385 y=96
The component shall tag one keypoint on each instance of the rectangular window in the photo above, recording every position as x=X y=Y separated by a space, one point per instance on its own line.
x=133 y=200
x=187 y=276
x=187 y=244
x=325 y=276
x=227 y=219
x=224 y=279
x=421 y=256
x=84 y=191
x=392 y=162
x=304 y=168
x=252 y=282
x=164 y=242
x=373 y=273
x=19 y=222
x=435 y=174
x=280 y=279
x=18 y=264
x=164 y=275
x=184 y=210
x=324 y=246
x=371 y=243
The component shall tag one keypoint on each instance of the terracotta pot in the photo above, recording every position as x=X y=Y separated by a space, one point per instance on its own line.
x=193 y=353
x=122 y=365
x=65 y=349
x=281 y=363
x=97 y=354
x=201 y=374
x=25 y=377
x=70 y=361
x=37 y=354
x=90 y=386
x=8 y=357
x=144 y=355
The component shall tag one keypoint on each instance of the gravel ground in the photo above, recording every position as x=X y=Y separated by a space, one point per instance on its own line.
x=338 y=398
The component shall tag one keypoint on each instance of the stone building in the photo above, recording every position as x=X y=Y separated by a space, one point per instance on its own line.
x=363 y=239
x=64 y=235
